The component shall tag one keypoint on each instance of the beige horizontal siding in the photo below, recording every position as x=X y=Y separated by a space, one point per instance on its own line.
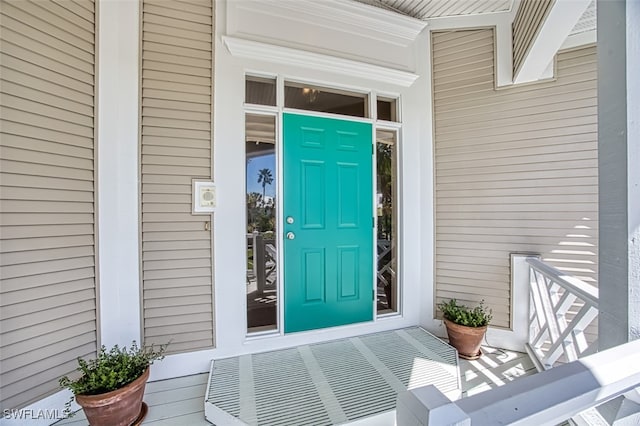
x=177 y=264
x=526 y=25
x=515 y=170
x=47 y=259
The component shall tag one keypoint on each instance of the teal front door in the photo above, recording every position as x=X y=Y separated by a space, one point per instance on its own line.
x=328 y=223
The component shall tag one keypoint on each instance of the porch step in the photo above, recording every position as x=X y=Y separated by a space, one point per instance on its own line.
x=330 y=383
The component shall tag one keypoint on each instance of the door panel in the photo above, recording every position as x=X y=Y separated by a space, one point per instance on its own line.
x=314 y=276
x=312 y=193
x=328 y=265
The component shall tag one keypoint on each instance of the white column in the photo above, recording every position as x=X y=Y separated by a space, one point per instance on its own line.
x=619 y=174
x=117 y=178
x=619 y=182
x=633 y=164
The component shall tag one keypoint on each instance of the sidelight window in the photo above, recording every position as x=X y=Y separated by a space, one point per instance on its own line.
x=261 y=210
x=387 y=221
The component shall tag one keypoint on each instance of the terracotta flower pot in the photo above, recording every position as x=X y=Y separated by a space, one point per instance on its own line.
x=120 y=407
x=466 y=340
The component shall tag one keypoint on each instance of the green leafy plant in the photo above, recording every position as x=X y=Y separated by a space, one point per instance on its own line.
x=478 y=316
x=111 y=370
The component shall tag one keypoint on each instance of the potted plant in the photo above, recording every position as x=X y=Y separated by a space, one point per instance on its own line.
x=110 y=387
x=466 y=327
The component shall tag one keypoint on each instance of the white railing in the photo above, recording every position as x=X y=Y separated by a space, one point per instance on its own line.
x=561 y=309
x=265 y=261
x=547 y=398
x=386 y=272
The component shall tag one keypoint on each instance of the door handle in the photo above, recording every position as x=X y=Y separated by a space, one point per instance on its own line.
x=291 y=236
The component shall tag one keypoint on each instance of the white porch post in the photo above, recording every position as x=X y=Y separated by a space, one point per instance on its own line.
x=117 y=179
x=619 y=181
x=619 y=174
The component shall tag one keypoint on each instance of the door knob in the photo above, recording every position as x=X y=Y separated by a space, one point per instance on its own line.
x=290 y=235
x=289 y=220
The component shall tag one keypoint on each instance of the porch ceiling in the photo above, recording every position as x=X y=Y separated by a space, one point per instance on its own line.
x=428 y=9
x=425 y=9
x=587 y=21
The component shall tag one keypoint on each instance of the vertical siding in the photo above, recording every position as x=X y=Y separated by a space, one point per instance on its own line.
x=526 y=25
x=47 y=286
x=177 y=75
x=515 y=170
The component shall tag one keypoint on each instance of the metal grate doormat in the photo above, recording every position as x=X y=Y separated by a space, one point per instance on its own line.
x=329 y=383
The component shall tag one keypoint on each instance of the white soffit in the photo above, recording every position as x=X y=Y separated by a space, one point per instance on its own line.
x=344 y=15
x=584 y=32
x=284 y=55
x=426 y=9
x=587 y=21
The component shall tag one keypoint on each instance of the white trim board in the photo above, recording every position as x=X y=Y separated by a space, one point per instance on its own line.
x=284 y=55
x=580 y=39
x=348 y=16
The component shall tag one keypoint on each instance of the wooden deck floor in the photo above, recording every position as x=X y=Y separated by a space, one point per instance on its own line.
x=180 y=401
x=175 y=402
x=495 y=368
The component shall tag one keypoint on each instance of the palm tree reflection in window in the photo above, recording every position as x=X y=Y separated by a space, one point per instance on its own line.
x=265 y=178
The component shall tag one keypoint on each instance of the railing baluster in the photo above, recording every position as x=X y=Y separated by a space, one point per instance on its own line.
x=562 y=307
x=548 y=310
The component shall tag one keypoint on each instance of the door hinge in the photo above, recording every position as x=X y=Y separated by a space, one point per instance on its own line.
x=373 y=294
x=373 y=222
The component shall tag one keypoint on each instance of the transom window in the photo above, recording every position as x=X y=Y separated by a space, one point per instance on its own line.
x=387 y=109
x=322 y=99
x=260 y=90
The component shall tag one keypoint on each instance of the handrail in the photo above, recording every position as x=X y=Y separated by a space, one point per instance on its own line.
x=573 y=284
x=561 y=308
x=546 y=398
